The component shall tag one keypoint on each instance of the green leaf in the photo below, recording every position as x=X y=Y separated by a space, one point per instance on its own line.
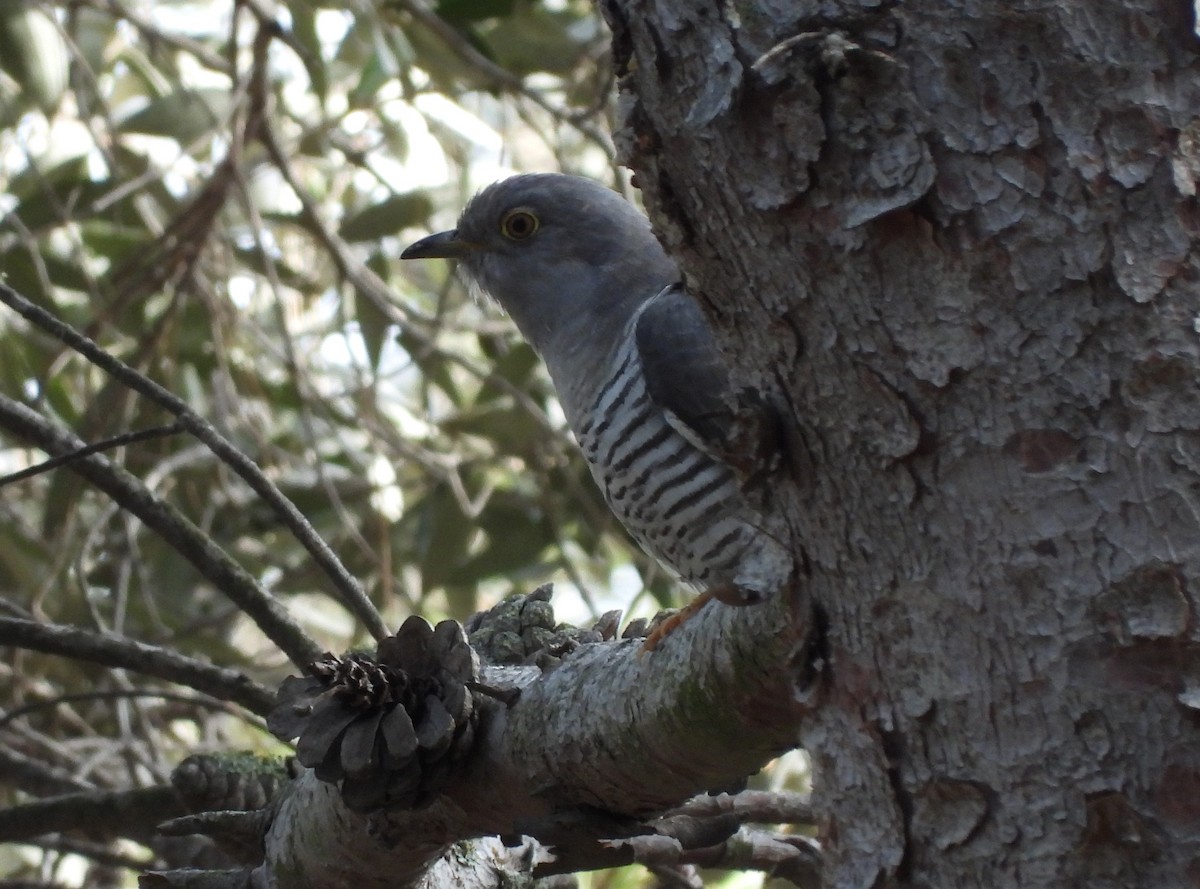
x=448 y=73
x=304 y=26
x=305 y=278
x=432 y=365
x=93 y=31
x=37 y=181
x=184 y=115
x=442 y=535
x=22 y=275
x=389 y=216
x=460 y=12
x=114 y=241
x=535 y=39
x=380 y=70
x=373 y=324
x=518 y=538
x=65 y=192
x=33 y=53
x=515 y=364
x=49 y=210
x=509 y=428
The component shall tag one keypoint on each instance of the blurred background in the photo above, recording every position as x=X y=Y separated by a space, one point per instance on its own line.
x=217 y=193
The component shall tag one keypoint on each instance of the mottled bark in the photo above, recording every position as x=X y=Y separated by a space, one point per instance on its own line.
x=957 y=243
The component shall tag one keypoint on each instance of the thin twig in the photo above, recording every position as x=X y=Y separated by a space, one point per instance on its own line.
x=753 y=806
x=258 y=100
x=793 y=858
x=117 y=694
x=498 y=75
x=350 y=591
x=175 y=529
x=169 y=38
x=149 y=660
x=108 y=444
x=33 y=774
x=98 y=852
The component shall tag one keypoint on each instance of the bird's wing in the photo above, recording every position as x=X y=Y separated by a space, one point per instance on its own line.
x=683 y=371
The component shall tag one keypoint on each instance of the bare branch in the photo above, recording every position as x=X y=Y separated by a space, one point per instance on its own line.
x=173 y=39
x=100 y=853
x=34 y=775
x=349 y=590
x=753 y=806
x=705 y=710
x=793 y=858
x=116 y=695
x=133 y=813
x=130 y=654
x=208 y=558
x=108 y=444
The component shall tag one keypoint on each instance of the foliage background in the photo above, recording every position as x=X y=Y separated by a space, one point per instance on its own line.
x=217 y=193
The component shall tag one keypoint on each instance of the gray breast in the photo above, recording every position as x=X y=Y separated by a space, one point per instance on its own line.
x=684 y=507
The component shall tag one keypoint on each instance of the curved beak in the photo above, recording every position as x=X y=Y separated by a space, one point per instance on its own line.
x=443 y=245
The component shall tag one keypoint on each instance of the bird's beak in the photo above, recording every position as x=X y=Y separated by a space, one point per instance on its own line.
x=443 y=245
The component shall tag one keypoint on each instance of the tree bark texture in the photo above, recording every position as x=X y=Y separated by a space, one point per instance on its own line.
x=958 y=244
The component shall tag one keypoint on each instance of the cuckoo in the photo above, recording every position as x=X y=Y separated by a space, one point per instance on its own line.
x=635 y=365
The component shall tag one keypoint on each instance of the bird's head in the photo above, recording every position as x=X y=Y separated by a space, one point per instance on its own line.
x=567 y=258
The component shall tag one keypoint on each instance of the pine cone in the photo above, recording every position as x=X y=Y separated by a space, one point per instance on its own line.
x=521 y=630
x=229 y=781
x=385 y=729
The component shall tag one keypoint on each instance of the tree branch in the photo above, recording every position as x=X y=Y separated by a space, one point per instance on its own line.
x=108 y=444
x=708 y=708
x=33 y=775
x=794 y=858
x=209 y=559
x=98 y=852
x=349 y=590
x=757 y=806
x=130 y=654
x=132 y=813
x=117 y=695
x=496 y=74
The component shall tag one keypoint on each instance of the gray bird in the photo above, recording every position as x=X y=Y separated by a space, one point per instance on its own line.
x=634 y=363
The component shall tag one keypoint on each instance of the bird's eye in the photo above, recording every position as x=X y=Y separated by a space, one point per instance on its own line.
x=517 y=225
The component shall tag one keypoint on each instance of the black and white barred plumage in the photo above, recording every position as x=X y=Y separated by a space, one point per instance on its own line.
x=634 y=363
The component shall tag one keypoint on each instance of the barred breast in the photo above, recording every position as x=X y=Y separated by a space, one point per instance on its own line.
x=681 y=505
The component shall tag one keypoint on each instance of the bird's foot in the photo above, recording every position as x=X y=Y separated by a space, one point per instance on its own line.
x=672 y=622
x=659 y=632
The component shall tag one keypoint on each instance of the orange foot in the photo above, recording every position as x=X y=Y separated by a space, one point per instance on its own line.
x=723 y=592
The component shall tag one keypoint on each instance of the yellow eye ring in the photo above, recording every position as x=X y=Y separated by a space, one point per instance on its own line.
x=519 y=224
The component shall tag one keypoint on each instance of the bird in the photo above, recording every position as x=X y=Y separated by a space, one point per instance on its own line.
x=636 y=368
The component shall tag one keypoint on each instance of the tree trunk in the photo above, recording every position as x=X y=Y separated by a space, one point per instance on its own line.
x=958 y=244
